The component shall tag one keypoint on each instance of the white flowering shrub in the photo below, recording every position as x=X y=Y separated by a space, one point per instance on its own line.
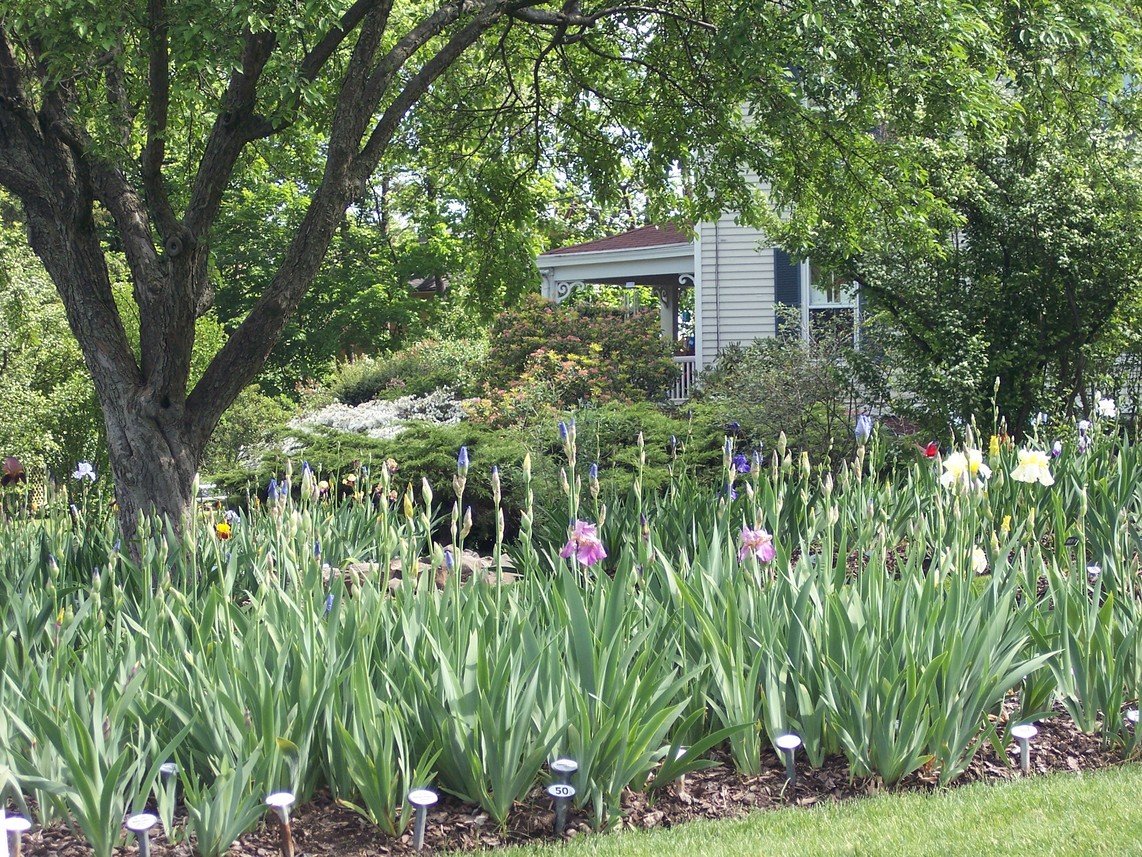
x=385 y=419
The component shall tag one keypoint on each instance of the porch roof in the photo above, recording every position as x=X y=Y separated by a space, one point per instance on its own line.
x=644 y=236
x=648 y=256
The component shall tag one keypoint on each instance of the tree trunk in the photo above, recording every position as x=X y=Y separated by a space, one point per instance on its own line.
x=153 y=462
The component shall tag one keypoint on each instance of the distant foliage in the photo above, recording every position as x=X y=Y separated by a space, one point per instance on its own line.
x=414 y=371
x=252 y=420
x=544 y=357
x=50 y=417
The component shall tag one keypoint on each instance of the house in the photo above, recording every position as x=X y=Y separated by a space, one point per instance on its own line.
x=716 y=287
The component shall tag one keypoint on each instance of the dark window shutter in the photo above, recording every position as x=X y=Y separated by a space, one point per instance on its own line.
x=786 y=287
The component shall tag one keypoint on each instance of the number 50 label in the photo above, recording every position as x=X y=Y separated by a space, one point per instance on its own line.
x=559 y=790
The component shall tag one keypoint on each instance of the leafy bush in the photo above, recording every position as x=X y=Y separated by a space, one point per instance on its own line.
x=413 y=371
x=543 y=356
x=253 y=419
x=811 y=391
x=423 y=451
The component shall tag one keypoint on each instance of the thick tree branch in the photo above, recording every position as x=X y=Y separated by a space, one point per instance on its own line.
x=392 y=62
x=158 y=108
x=315 y=60
x=418 y=85
x=246 y=351
x=571 y=18
x=131 y=222
x=235 y=126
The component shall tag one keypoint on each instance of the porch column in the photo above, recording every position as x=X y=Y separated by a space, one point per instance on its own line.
x=668 y=311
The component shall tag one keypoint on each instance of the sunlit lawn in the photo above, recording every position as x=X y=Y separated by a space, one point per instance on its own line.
x=1061 y=814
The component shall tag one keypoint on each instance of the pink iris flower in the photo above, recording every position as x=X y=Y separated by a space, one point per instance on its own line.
x=757 y=542
x=584 y=544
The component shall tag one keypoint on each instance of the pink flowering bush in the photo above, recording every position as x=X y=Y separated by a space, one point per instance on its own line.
x=544 y=357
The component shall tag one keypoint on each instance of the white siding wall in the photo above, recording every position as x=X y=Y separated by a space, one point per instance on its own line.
x=736 y=286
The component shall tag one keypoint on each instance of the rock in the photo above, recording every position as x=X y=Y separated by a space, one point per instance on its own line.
x=653 y=819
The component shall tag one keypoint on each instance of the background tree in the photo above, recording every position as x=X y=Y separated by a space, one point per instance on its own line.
x=1037 y=275
x=129 y=128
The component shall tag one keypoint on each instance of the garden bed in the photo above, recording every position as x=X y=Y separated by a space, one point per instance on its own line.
x=322 y=827
x=267 y=652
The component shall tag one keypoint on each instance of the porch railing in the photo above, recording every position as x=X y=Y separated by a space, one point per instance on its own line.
x=688 y=367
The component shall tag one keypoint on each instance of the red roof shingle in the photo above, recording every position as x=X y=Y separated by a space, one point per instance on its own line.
x=644 y=236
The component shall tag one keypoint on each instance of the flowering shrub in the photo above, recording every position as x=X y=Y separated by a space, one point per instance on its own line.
x=544 y=357
x=382 y=419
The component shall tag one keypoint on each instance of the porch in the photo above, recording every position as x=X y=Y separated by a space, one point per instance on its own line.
x=661 y=258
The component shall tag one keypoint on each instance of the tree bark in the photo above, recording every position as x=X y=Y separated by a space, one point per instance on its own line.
x=153 y=463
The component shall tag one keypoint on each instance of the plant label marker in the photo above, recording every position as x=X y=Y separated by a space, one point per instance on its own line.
x=422 y=799
x=280 y=803
x=1023 y=733
x=167 y=770
x=1132 y=716
x=788 y=745
x=14 y=828
x=141 y=825
x=564 y=769
x=561 y=793
x=3 y=831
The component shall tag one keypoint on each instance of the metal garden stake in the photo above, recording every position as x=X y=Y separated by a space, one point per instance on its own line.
x=280 y=803
x=1023 y=733
x=422 y=799
x=561 y=793
x=681 y=777
x=564 y=769
x=14 y=828
x=788 y=745
x=141 y=825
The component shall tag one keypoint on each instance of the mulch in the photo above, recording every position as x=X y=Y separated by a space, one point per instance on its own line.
x=324 y=828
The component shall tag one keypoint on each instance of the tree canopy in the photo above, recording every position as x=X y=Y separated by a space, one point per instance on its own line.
x=213 y=144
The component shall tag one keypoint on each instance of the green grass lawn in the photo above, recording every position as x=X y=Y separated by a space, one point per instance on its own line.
x=1060 y=814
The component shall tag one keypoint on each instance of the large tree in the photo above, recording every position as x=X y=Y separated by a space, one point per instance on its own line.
x=126 y=127
x=1038 y=270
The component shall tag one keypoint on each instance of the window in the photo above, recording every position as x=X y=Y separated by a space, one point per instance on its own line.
x=827 y=290
x=829 y=304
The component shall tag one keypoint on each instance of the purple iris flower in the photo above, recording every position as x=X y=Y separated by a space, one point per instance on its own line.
x=863 y=427
x=729 y=491
x=741 y=463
